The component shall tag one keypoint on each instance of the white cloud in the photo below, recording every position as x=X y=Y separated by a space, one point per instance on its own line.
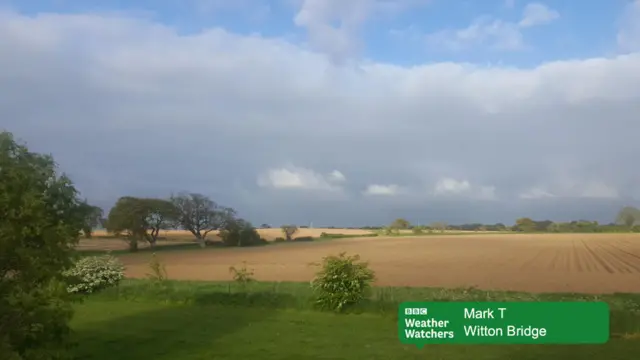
x=494 y=33
x=333 y=25
x=537 y=14
x=536 y=193
x=629 y=34
x=217 y=108
x=292 y=177
x=450 y=186
x=337 y=176
x=382 y=190
x=570 y=188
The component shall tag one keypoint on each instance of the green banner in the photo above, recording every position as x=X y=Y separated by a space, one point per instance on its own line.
x=423 y=323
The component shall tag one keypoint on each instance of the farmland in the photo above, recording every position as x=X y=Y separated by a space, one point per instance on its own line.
x=209 y=317
x=584 y=263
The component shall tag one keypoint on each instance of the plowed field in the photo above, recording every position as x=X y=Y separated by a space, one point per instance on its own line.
x=588 y=263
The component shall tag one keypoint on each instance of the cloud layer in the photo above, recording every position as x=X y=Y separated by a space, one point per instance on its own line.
x=284 y=134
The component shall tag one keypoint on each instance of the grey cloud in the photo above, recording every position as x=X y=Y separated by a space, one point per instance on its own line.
x=127 y=106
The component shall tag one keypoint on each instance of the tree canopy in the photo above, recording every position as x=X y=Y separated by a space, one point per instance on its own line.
x=200 y=215
x=40 y=221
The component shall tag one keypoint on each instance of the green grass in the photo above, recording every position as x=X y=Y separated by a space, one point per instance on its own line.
x=218 y=320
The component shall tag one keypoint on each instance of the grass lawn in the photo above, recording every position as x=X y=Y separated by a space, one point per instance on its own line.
x=198 y=320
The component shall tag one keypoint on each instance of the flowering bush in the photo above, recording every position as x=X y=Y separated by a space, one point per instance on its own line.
x=94 y=273
x=342 y=282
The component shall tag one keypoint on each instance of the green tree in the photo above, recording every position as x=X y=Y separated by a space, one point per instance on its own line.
x=200 y=215
x=525 y=225
x=400 y=224
x=40 y=222
x=141 y=219
x=92 y=218
x=628 y=216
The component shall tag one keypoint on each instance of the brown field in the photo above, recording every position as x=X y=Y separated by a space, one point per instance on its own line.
x=586 y=263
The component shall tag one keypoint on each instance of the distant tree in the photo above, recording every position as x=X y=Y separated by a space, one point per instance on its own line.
x=289 y=231
x=525 y=225
x=400 y=224
x=265 y=226
x=200 y=215
x=240 y=232
x=417 y=230
x=141 y=219
x=92 y=218
x=40 y=222
x=439 y=225
x=628 y=216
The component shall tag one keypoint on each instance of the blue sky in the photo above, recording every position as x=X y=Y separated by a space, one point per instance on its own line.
x=399 y=36
x=332 y=111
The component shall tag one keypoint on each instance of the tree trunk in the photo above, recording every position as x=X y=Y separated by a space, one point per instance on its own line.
x=133 y=245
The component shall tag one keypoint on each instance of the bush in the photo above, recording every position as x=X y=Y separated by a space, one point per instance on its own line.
x=417 y=230
x=279 y=239
x=342 y=282
x=94 y=273
x=303 y=238
x=240 y=233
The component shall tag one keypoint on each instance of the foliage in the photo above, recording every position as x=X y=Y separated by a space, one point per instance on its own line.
x=94 y=273
x=400 y=224
x=279 y=239
x=141 y=219
x=92 y=216
x=200 y=215
x=628 y=216
x=343 y=281
x=158 y=270
x=303 y=238
x=289 y=231
x=40 y=221
x=417 y=230
x=242 y=275
x=240 y=233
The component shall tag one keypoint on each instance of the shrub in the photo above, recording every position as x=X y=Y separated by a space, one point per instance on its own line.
x=342 y=282
x=279 y=239
x=242 y=275
x=324 y=234
x=240 y=233
x=158 y=270
x=303 y=238
x=94 y=273
x=417 y=230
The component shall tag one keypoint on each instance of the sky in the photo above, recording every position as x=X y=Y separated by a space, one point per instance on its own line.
x=339 y=113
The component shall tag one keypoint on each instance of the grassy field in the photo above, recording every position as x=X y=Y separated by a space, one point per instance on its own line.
x=274 y=318
x=207 y=320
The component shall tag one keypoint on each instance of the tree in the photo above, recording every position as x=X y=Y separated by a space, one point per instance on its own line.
x=526 y=225
x=92 y=218
x=40 y=222
x=439 y=225
x=288 y=231
x=240 y=232
x=628 y=216
x=400 y=224
x=200 y=215
x=141 y=219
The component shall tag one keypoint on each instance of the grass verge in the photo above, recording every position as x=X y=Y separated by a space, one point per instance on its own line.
x=203 y=320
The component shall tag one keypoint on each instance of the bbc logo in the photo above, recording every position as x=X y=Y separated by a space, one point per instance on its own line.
x=415 y=311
